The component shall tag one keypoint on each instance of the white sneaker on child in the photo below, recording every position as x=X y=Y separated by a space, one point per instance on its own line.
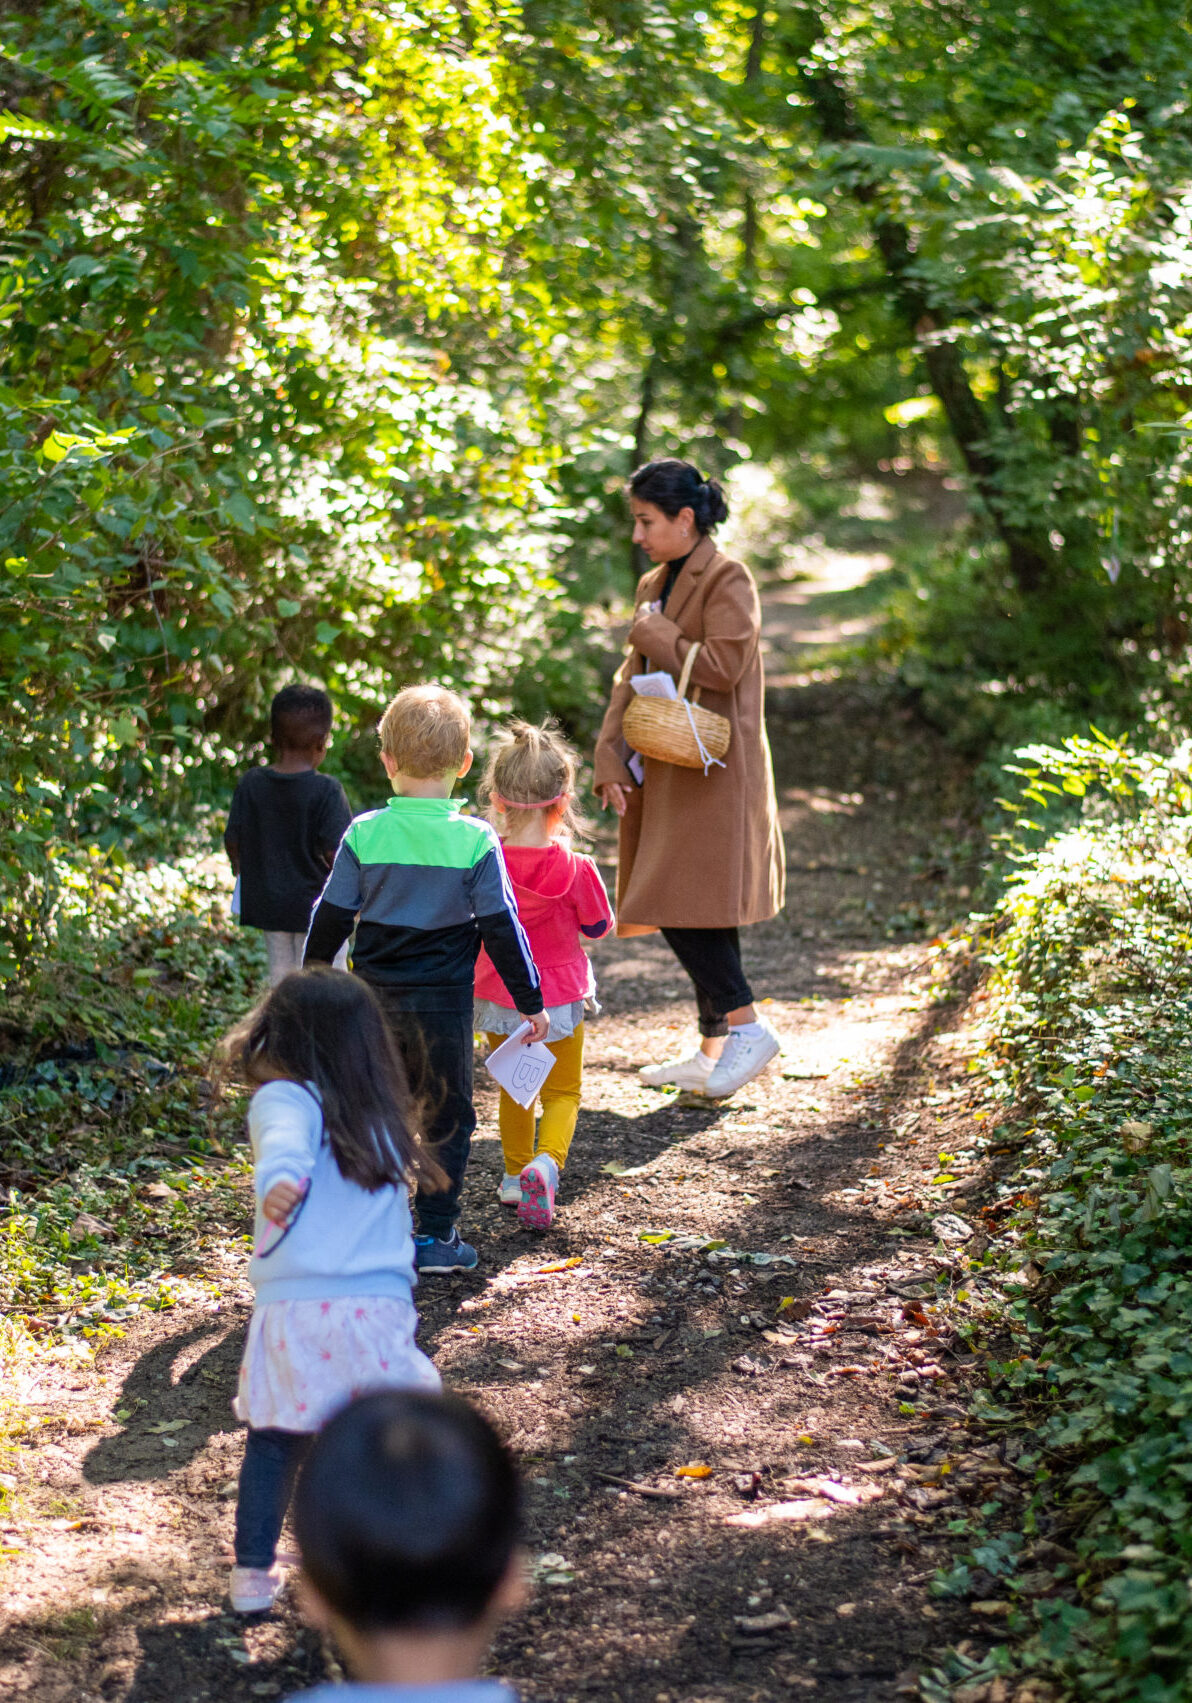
x=691 y=1073
x=538 y=1183
x=509 y=1190
x=254 y=1590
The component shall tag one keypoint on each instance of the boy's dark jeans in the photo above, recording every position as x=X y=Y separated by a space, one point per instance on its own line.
x=270 y=1466
x=436 y=1049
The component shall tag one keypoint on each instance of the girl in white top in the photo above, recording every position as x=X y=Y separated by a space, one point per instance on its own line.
x=333 y=1267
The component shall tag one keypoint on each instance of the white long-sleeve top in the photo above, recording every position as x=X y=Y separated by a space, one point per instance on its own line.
x=346 y=1241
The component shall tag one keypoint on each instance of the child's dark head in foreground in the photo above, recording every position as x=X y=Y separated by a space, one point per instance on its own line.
x=300 y=722
x=407 y=1516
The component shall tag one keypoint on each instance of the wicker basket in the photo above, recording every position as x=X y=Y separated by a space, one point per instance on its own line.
x=678 y=730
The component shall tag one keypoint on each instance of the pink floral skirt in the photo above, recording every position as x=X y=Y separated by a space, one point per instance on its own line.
x=305 y=1359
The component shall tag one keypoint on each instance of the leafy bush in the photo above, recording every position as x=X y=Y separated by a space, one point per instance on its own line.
x=121 y=1179
x=229 y=447
x=1091 y=975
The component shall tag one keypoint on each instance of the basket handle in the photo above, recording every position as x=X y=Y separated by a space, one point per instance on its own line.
x=688 y=665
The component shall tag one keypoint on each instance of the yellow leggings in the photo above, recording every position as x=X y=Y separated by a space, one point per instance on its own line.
x=560 y=1108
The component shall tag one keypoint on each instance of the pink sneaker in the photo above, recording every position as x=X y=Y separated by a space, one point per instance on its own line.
x=254 y=1590
x=539 y=1181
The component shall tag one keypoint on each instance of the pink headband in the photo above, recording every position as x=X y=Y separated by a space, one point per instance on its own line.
x=542 y=804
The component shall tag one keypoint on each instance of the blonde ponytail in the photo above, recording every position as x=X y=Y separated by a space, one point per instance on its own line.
x=533 y=768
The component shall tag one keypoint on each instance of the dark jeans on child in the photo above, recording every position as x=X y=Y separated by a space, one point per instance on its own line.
x=436 y=1049
x=270 y=1466
x=712 y=958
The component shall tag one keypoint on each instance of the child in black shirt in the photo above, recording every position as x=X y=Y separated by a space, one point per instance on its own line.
x=285 y=826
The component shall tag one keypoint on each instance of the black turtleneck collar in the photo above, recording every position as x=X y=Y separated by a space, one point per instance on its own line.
x=673 y=570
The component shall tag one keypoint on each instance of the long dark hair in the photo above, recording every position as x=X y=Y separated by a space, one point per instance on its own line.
x=675 y=485
x=327 y=1028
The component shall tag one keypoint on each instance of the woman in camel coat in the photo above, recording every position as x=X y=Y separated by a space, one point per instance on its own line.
x=700 y=854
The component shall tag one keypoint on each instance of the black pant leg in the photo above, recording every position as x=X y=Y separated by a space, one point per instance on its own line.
x=436 y=1048
x=267 y=1474
x=712 y=958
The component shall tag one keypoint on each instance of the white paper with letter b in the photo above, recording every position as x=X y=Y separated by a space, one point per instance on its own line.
x=520 y=1069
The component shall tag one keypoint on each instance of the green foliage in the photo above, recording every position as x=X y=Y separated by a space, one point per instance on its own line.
x=229 y=447
x=123 y=1182
x=1092 y=1033
x=331 y=331
x=902 y=235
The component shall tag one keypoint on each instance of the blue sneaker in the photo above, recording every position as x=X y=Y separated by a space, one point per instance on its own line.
x=434 y=1254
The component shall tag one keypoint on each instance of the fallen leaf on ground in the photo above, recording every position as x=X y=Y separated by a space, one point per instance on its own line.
x=1136 y=1134
x=949 y=1228
x=797 y=1309
x=558 y=1265
x=991 y=1609
x=782 y=1513
x=168 y=1425
x=748 y=1367
x=844 y=1609
x=848 y=1495
x=86 y=1225
x=552 y=1570
x=775 y=1621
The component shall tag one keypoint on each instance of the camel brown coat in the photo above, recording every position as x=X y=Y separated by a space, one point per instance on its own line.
x=696 y=850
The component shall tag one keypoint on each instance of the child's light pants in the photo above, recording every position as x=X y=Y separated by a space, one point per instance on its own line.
x=285 y=954
x=560 y=1108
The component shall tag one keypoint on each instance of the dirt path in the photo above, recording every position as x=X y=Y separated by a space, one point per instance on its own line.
x=795 y=1361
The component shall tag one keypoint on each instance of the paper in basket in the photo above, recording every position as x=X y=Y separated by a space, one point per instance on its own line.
x=656 y=685
x=520 y=1069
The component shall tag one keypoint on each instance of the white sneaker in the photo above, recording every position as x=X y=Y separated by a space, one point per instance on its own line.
x=254 y=1590
x=691 y=1073
x=745 y=1056
x=509 y=1190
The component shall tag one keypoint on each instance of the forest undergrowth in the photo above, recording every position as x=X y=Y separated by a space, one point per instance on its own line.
x=117 y=1168
x=1083 y=1044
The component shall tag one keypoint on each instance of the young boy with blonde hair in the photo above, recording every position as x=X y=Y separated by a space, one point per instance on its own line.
x=424 y=887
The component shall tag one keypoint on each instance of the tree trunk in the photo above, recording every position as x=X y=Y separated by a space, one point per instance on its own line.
x=1030 y=557
x=749 y=224
x=641 y=441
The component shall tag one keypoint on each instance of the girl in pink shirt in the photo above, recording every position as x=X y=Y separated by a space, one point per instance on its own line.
x=562 y=901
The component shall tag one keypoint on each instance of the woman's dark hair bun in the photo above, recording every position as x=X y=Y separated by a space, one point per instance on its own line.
x=673 y=485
